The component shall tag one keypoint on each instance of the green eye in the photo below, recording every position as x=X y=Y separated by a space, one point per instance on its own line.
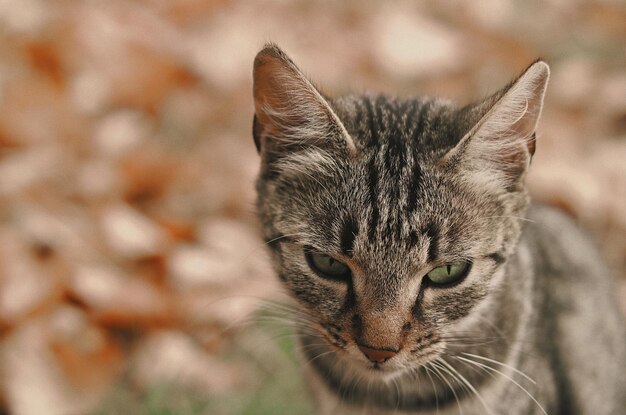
x=327 y=267
x=450 y=272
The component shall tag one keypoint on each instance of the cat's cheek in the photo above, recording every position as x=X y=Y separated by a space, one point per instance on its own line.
x=458 y=304
x=323 y=297
x=318 y=296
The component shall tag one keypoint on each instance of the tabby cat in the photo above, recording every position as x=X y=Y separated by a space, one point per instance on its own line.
x=423 y=283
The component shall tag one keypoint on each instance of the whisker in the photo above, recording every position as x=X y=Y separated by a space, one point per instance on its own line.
x=398 y=393
x=278 y=238
x=519 y=372
x=309 y=361
x=487 y=367
x=436 y=368
x=426 y=367
x=355 y=384
x=246 y=256
x=453 y=375
x=466 y=382
x=469 y=341
x=511 y=217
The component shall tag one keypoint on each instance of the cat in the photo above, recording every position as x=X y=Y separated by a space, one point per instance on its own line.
x=425 y=281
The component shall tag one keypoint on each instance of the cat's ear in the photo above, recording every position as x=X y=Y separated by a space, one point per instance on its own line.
x=498 y=148
x=290 y=113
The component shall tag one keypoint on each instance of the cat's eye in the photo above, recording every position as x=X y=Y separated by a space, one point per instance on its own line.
x=449 y=273
x=326 y=266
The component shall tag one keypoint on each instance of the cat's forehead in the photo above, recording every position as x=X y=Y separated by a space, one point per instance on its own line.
x=384 y=204
x=379 y=121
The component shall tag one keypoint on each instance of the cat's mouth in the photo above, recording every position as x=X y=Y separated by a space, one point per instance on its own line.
x=384 y=369
x=391 y=370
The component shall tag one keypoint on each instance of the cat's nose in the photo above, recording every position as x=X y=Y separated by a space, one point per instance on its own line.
x=377 y=355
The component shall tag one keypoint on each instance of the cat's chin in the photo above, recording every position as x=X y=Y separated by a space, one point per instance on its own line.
x=382 y=372
x=384 y=375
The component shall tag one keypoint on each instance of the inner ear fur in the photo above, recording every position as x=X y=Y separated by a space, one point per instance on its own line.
x=499 y=147
x=289 y=111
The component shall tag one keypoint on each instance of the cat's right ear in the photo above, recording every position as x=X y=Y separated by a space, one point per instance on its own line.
x=498 y=149
x=290 y=113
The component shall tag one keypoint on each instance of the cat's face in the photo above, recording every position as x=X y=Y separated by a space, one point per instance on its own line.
x=380 y=295
x=390 y=220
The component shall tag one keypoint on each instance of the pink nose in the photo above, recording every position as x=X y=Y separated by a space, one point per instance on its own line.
x=377 y=355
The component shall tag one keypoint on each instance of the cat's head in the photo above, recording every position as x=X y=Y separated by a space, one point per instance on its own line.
x=390 y=221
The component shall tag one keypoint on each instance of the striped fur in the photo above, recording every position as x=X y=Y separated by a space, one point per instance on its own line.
x=395 y=188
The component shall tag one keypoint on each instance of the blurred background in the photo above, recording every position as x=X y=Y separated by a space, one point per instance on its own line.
x=131 y=270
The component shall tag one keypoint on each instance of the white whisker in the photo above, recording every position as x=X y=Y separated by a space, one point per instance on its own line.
x=436 y=368
x=467 y=383
x=487 y=367
x=426 y=367
x=519 y=372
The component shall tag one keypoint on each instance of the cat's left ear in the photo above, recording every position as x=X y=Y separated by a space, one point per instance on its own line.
x=498 y=149
x=290 y=113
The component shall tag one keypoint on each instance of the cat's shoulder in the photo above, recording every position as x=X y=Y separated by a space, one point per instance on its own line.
x=561 y=247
